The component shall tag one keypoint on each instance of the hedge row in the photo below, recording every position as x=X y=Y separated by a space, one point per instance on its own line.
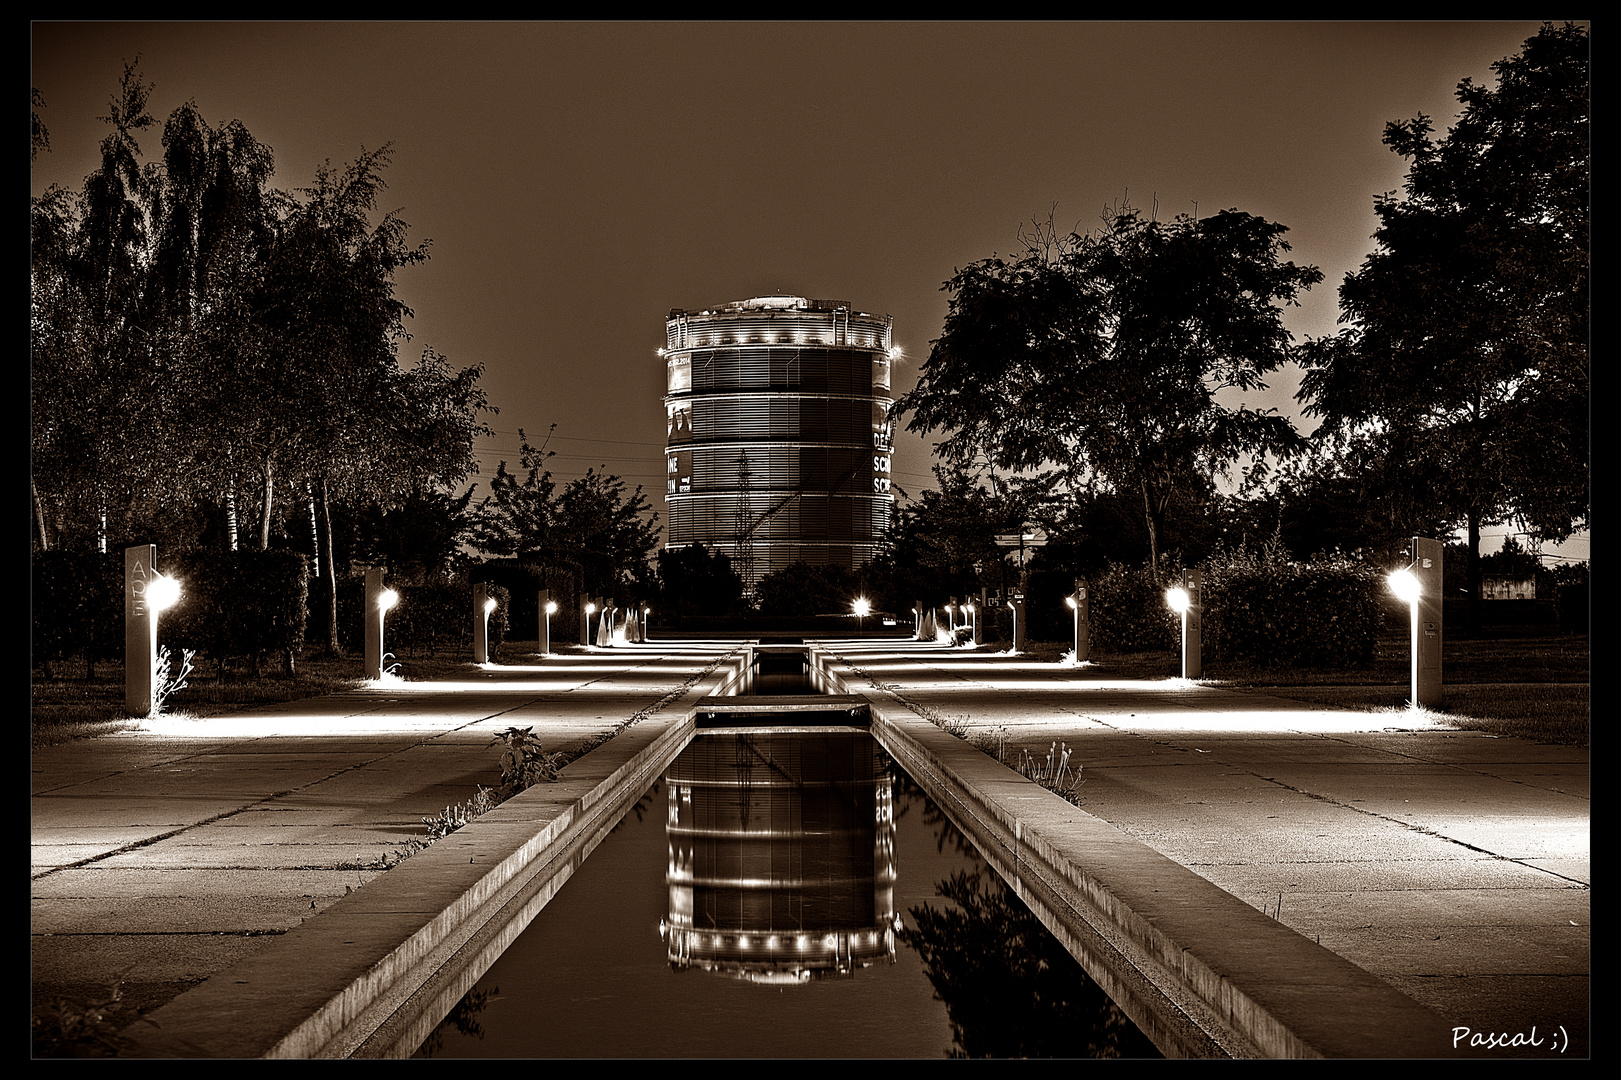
x=1325 y=613
x=234 y=605
x=434 y=617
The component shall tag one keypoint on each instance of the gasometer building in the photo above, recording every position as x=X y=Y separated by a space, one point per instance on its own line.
x=779 y=438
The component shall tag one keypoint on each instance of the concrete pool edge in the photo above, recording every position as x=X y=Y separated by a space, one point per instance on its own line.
x=326 y=986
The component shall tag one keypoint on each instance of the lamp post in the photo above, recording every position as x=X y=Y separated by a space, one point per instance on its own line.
x=1188 y=602
x=1078 y=603
x=547 y=607
x=585 y=622
x=862 y=609
x=147 y=593
x=1016 y=603
x=1419 y=585
x=378 y=602
x=483 y=604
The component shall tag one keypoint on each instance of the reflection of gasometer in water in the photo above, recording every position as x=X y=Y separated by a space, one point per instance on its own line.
x=782 y=856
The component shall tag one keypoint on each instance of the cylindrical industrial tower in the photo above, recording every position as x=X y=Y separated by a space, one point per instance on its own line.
x=779 y=434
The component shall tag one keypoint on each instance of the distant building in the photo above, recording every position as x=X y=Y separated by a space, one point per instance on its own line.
x=1503 y=588
x=779 y=438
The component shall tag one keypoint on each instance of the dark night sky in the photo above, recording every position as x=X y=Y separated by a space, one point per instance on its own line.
x=578 y=180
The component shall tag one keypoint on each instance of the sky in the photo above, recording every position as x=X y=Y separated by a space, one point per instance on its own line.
x=577 y=180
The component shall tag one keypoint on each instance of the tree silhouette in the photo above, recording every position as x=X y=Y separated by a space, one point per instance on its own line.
x=1100 y=355
x=1466 y=363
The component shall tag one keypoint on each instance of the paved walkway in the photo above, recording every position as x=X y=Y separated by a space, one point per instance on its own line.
x=165 y=855
x=1451 y=864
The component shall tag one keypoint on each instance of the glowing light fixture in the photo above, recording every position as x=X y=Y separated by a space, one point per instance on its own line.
x=1176 y=597
x=162 y=592
x=1405 y=585
x=387 y=599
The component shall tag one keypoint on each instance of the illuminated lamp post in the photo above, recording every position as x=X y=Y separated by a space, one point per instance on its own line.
x=585 y=622
x=862 y=608
x=378 y=602
x=647 y=615
x=483 y=605
x=1081 y=606
x=547 y=607
x=951 y=610
x=971 y=610
x=1188 y=602
x=146 y=594
x=1016 y=604
x=1419 y=585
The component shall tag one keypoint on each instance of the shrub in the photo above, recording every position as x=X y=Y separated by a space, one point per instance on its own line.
x=78 y=607
x=1263 y=608
x=441 y=616
x=1128 y=612
x=239 y=604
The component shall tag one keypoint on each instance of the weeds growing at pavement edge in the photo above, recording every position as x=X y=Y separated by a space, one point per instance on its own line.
x=1053 y=772
x=524 y=763
x=68 y=1028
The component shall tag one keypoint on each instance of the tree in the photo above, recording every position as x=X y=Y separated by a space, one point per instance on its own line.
x=1101 y=355
x=592 y=524
x=803 y=589
x=610 y=535
x=694 y=580
x=1466 y=358
x=195 y=330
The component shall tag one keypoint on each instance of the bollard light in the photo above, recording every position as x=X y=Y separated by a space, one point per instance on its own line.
x=1405 y=585
x=1184 y=599
x=379 y=601
x=1077 y=602
x=1419 y=586
x=862 y=608
x=146 y=593
x=483 y=604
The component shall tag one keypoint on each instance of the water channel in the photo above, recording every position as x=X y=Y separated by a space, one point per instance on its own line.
x=785 y=892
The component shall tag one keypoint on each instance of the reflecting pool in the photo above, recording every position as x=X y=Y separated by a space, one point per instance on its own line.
x=785 y=894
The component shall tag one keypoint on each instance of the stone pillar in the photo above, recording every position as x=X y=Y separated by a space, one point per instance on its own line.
x=140 y=631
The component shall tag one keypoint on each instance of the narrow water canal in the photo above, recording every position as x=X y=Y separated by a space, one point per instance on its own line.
x=785 y=895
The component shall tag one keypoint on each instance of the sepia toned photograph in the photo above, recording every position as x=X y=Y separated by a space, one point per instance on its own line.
x=807 y=539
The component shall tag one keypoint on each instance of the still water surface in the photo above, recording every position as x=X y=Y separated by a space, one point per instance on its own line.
x=778 y=896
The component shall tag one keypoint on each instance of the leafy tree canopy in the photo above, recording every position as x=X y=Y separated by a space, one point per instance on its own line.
x=1465 y=365
x=1102 y=355
x=593 y=524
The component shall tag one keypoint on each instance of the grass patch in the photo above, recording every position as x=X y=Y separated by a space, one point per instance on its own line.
x=1529 y=686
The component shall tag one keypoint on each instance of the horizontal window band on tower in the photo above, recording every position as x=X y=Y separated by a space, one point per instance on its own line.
x=837 y=470
x=839 y=420
x=710 y=519
x=779 y=438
